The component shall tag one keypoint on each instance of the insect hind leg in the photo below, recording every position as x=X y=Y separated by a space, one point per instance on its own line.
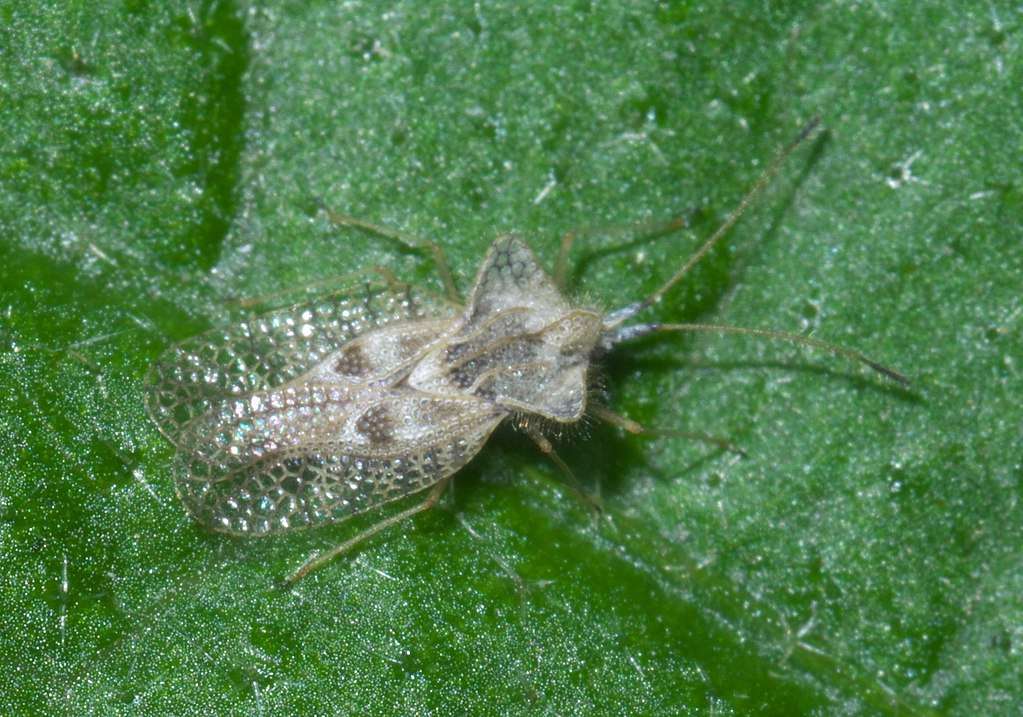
x=411 y=242
x=320 y=287
x=318 y=560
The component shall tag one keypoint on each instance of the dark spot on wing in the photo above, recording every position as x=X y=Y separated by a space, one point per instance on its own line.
x=352 y=361
x=454 y=351
x=464 y=374
x=377 y=425
x=502 y=355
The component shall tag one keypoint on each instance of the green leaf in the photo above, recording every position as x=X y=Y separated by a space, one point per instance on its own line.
x=163 y=162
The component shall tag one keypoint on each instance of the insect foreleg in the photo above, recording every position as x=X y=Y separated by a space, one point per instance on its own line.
x=547 y=448
x=639 y=232
x=627 y=424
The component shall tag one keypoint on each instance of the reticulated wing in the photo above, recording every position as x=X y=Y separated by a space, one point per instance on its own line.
x=324 y=458
x=510 y=278
x=269 y=350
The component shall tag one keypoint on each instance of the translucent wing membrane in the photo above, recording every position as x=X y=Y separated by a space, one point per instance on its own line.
x=251 y=479
x=269 y=350
x=302 y=417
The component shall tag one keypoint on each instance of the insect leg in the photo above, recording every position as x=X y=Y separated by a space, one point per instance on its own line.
x=627 y=424
x=312 y=288
x=414 y=243
x=318 y=560
x=638 y=231
x=547 y=448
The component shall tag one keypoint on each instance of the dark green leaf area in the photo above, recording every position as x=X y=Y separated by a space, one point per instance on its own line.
x=165 y=167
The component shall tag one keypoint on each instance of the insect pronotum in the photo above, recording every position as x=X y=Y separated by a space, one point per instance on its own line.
x=315 y=413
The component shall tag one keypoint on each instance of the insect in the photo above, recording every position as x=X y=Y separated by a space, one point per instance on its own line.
x=315 y=413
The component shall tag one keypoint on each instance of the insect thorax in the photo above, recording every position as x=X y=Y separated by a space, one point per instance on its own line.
x=518 y=359
x=519 y=343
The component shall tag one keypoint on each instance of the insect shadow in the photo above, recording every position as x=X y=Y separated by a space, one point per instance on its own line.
x=318 y=412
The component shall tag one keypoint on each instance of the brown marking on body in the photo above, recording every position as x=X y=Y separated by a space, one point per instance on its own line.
x=377 y=425
x=352 y=361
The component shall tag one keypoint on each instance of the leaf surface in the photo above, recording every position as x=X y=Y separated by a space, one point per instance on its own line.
x=163 y=163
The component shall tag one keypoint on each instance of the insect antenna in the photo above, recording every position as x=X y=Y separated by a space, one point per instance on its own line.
x=616 y=318
x=615 y=332
x=625 y=333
